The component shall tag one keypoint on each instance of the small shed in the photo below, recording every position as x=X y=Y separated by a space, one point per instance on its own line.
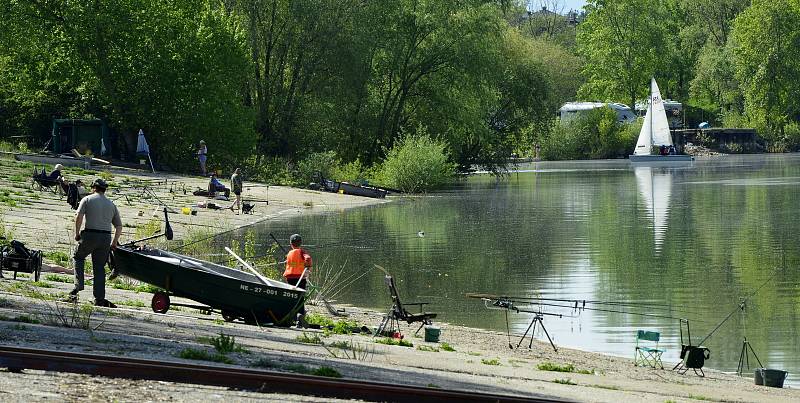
x=81 y=134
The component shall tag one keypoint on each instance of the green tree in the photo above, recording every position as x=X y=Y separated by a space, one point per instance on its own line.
x=623 y=44
x=767 y=50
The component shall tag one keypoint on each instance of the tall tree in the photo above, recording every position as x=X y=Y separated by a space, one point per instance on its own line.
x=767 y=50
x=623 y=43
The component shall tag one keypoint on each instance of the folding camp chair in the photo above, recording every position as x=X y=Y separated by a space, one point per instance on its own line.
x=397 y=313
x=650 y=356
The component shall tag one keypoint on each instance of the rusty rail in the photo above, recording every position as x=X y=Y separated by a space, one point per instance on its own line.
x=16 y=358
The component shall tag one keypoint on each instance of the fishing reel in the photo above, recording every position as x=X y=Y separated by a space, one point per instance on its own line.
x=500 y=304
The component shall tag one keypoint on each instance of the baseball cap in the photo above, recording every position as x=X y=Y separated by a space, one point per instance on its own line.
x=100 y=184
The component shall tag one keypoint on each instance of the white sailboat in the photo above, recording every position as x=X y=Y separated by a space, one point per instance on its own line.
x=655 y=132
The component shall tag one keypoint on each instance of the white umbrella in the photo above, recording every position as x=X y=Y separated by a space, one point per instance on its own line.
x=143 y=149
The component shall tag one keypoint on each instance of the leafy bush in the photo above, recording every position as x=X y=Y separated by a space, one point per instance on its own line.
x=595 y=135
x=417 y=163
x=324 y=163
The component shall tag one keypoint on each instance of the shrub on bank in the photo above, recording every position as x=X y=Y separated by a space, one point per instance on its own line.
x=595 y=135
x=417 y=163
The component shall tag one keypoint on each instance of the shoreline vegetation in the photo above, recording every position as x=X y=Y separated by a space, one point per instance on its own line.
x=350 y=81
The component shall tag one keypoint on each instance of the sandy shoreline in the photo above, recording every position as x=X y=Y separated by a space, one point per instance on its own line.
x=481 y=360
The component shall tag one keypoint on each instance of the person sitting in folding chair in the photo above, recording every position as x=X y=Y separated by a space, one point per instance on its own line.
x=644 y=355
x=214 y=186
x=56 y=174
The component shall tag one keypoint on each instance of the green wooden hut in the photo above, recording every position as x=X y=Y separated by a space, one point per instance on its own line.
x=81 y=134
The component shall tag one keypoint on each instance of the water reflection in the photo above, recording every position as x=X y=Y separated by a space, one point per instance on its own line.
x=655 y=186
x=697 y=239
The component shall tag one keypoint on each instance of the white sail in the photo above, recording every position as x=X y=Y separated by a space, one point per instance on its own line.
x=656 y=190
x=655 y=128
x=659 y=125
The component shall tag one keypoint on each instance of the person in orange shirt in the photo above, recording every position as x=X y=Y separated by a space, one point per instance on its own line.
x=298 y=266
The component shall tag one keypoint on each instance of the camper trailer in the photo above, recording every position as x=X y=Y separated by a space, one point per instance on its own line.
x=674 y=111
x=572 y=110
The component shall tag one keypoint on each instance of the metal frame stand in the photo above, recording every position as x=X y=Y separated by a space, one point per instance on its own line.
x=537 y=318
x=744 y=356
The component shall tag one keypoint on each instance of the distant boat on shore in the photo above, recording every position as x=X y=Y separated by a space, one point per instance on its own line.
x=655 y=134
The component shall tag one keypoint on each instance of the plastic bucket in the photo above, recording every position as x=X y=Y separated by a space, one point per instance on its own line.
x=772 y=377
x=432 y=334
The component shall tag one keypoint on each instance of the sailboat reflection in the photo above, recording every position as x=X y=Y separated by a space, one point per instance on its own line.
x=655 y=186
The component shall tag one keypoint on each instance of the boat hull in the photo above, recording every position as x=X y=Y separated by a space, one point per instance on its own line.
x=235 y=293
x=661 y=158
x=366 y=191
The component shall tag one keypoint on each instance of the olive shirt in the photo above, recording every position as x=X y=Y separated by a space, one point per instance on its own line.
x=236 y=183
x=99 y=212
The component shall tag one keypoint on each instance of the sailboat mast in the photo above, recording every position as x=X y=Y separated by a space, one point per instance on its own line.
x=650 y=107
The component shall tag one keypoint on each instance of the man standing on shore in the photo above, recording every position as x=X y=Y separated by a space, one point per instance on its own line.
x=236 y=185
x=99 y=214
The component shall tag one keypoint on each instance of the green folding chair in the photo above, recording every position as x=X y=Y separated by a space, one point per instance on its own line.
x=648 y=354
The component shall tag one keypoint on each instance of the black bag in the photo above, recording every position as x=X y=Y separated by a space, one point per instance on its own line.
x=20 y=250
x=72 y=196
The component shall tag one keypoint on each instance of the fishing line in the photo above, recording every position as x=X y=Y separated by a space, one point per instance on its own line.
x=739 y=307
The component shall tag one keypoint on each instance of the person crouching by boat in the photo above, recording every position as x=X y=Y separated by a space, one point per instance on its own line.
x=99 y=214
x=298 y=268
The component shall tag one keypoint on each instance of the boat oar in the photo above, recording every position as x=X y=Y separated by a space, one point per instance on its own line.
x=245 y=264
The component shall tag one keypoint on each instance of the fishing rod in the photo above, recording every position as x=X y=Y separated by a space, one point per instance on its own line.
x=509 y=305
x=740 y=306
x=277 y=242
x=581 y=303
x=651 y=315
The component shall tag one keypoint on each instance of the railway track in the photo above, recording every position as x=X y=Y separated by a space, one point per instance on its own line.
x=16 y=359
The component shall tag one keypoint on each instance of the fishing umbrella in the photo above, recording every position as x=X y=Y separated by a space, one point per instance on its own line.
x=143 y=149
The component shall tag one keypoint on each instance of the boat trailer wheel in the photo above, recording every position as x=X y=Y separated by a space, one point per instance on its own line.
x=160 y=303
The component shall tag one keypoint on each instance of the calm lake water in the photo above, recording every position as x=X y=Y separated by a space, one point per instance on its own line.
x=697 y=239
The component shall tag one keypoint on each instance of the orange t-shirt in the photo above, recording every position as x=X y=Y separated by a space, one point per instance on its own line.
x=296 y=261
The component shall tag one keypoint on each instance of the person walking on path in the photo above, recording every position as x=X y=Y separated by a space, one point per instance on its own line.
x=236 y=185
x=298 y=269
x=202 y=153
x=99 y=214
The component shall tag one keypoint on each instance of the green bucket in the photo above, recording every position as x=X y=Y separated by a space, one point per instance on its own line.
x=770 y=377
x=432 y=334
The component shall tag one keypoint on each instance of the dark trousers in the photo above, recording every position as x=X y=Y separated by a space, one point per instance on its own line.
x=98 y=245
x=302 y=284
